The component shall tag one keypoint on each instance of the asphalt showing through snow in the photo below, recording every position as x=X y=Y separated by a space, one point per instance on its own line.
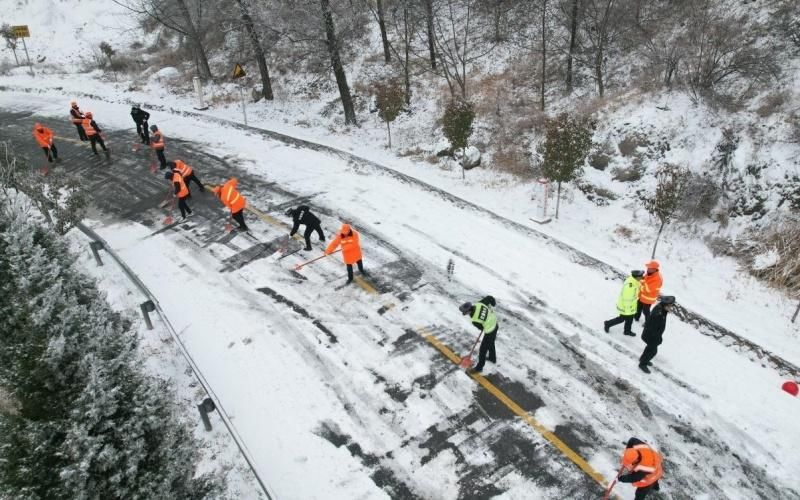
x=124 y=189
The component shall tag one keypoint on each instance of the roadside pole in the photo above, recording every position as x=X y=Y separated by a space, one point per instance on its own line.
x=238 y=72
x=23 y=32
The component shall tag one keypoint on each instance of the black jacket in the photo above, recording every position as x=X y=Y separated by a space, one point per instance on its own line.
x=139 y=115
x=302 y=215
x=76 y=113
x=95 y=126
x=654 y=327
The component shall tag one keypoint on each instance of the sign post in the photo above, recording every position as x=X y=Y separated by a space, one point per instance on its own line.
x=23 y=32
x=238 y=72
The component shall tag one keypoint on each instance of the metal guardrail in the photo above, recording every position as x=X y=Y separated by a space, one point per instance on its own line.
x=195 y=369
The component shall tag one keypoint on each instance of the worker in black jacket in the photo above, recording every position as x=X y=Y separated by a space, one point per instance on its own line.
x=140 y=117
x=302 y=215
x=484 y=319
x=654 y=330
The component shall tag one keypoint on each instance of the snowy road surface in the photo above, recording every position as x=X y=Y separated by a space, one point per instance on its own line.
x=335 y=389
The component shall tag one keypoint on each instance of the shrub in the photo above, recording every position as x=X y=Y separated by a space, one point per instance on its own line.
x=457 y=123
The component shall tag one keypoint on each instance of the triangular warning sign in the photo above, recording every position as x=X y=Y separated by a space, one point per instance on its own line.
x=238 y=71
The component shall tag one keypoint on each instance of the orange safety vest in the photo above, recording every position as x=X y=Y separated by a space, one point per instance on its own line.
x=184 y=169
x=87 y=126
x=157 y=140
x=44 y=138
x=349 y=239
x=651 y=287
x=650 y=463
x=231 y=198
x=183 y=191
x=77 y=116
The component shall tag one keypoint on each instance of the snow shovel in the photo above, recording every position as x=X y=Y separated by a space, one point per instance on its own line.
x=229 y=224
x=466 y=361
x=614 y=482
x=300 y=266
x=136 y=146
x=44 y=170
x=152 y=161
x=168 y=219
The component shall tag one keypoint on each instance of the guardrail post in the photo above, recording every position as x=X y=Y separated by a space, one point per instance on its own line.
x=96 y=246
x=148 y=307
x=204 y=408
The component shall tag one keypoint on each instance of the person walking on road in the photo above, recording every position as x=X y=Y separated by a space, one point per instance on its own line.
x=643 y=468
x=302 y=215
x=349 y=240
x=651 y=288
x=187 y=173
x=484 y=319
x=140 y=118
x=76 y=117
x=93 y=133
x=232 y=199
x=626 y=303
x=44 y=137
x=654 y=330
x=157 y=143
x=181 y=192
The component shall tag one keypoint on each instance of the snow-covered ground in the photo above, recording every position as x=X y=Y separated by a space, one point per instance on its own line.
x=708 y=406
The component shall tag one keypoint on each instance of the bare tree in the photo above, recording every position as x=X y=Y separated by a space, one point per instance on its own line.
x=460 y=39
x=255 y=41
x=194 y=37
x=382 y=25
x=431 y=36
x=332 y=43
x=599 y=28
x=667 y=197
x=573 y=34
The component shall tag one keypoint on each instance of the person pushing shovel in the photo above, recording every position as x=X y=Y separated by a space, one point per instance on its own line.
x=483 y=318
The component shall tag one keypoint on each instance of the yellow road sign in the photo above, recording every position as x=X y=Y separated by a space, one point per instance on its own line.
x=20 y=31
x=238 y=71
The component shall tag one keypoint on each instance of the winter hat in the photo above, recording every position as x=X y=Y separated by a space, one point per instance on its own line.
x=465 y=308
x=667 y=299
x=652 y=264
x=168 y=175
x=637 y=273
x=290 y=212
x=631 y=457
x=153 y=128
x=345 y=229
x=74 y=104
x=38 y=126
x=88 y=114
x=171 y=164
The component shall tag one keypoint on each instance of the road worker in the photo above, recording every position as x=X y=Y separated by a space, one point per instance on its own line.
x=232 y=199
x=76 y=117
x=44 y=137
x=626 y=303
x=157 y=143
x=651 y=288
x=93 y=133
x=186 y=172
x=349 y=239
x=484 y=319
x=642 y=466
x=181 y=192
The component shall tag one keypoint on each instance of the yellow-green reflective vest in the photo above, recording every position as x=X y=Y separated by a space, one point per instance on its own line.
x=485 y=317
x=628 y=297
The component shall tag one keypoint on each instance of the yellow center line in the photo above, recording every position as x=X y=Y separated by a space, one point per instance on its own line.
x=517 y=410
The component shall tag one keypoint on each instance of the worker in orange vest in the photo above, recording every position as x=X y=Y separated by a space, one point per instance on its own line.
x=643 y=466
x=93 y=133
x=44 y=137
x=181 y=192
x=650 y=289
x=157 y=143
x=186 y=172
x=232 y=199
x=76 y=117
x=349 y=240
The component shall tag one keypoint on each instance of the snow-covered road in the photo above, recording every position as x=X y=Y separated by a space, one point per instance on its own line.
x=335 y=389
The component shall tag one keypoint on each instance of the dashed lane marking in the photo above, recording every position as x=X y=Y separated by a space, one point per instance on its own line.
x=517 y=410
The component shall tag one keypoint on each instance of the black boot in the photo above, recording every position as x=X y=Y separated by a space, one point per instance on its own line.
x=644 y=368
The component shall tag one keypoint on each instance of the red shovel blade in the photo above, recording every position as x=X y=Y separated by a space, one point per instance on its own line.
x=44 y=170
x=790 y=387
x=228 y=227
x=168 y=220
x=466 y=362
x=153 y=167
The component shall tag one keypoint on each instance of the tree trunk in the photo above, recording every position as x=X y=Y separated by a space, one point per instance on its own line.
x=202 y=61
x=653 y=255
x=389 y=130
x=544 y=50
x=387 y=56
x=573 y=31
x=336 y=62
x=429 y=19
x=598 y=69
x=266 y=84
x=407 y=39
x=558 y=197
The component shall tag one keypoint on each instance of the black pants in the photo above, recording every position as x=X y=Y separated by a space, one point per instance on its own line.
x=144 y=134
x=51 y=152
x=628 y=320
x=95 y=139
x=641 y=493
x=193 y=178
x=161 y=159
x=184 y=206
x=649 y=353
x=643 y=308
x=360 y=265
x=307 y=235
x=487 y=347
x=81 y=132
x=239 y=218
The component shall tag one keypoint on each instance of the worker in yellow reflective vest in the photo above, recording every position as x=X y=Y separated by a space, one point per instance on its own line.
x=483 y=318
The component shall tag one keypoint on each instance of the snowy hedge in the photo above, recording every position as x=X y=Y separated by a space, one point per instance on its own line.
x=78 y=419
